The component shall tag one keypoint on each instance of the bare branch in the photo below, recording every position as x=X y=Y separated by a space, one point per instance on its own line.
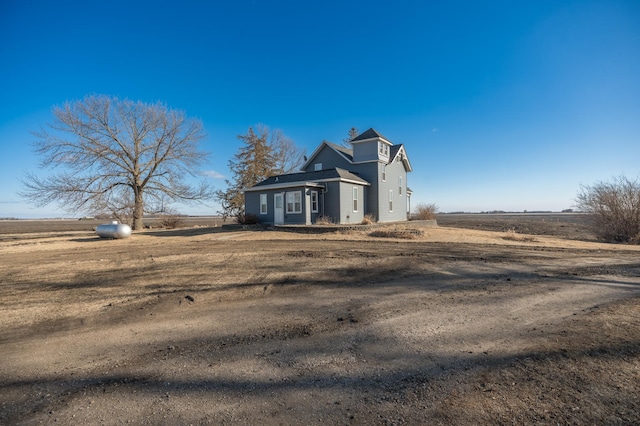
x=108 y=148
x=614 y=208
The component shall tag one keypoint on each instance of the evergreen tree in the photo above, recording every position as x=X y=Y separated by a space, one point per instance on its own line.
x=346 y=142
x=254 y=162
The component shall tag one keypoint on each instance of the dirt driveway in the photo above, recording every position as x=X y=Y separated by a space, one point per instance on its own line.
x=201 y=326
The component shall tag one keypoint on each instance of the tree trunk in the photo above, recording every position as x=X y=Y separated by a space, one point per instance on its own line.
x=138 y=210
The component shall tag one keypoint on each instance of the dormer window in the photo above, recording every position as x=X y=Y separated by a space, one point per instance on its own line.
x=381 y=147
x=386 y=150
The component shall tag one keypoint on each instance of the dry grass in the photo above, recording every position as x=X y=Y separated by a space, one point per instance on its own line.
x=207 y=326
x=405 y=234
x=368 y=220
x=324 y=220
x=511 y=235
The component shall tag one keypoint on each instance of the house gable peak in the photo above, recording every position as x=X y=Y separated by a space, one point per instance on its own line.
x=398 y=153
x=346 y=153
x=368 y=135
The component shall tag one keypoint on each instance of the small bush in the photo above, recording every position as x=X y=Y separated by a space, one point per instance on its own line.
x=613 y=208
x=406 y=234
x=511 y=235
x=247 y=219
x=324 y=220
x=172 y=221
x=368 y=219
x=425 y=211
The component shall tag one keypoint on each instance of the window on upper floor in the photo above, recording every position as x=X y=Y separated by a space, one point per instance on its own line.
x=384 y=172
x=317 y=166
x=399 y=185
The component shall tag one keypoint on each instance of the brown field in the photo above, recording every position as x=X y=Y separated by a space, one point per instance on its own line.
x=486 y=319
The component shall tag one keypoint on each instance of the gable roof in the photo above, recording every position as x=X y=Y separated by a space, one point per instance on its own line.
x=346 y=153
x=369 y=134
x=399 y=150
x=308 y=178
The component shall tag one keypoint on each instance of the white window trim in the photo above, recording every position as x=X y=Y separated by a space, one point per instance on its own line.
x=263 y=203
x=355 y=199
x=400 y=186
x=317 y=167
x=384 y=172
x=293 y=202
x=314 y=200
x=391 y=200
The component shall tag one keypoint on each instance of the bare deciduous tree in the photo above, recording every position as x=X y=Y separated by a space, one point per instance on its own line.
x=288 y=156
x=614 y=208
x=116 y=155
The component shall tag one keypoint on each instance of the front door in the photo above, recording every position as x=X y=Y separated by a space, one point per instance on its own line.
x=278 y=211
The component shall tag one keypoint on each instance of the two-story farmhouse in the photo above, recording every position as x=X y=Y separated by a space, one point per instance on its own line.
x=338 y=183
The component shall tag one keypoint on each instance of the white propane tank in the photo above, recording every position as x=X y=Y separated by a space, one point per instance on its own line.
x=114 y=230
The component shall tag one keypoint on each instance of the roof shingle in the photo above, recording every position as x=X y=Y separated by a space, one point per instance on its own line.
x=315 y=176
x=368 y=134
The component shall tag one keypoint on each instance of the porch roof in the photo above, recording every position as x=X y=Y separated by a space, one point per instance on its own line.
x=308 y=179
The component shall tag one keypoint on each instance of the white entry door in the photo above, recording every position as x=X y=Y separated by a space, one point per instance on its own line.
x=278 y=210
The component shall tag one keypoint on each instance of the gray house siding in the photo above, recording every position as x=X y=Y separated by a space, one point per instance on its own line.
x=347 y=212
x=296 y=218
x=315 y=215
x=305 y=217
x=378 y=193
x=332 y=201
x=340 y=170
x=366 y=151
x=369 y=172
x=399 y=198
x=252 y=205
x=329 y=159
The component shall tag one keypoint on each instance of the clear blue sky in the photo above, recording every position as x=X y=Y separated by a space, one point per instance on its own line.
x=506 y=105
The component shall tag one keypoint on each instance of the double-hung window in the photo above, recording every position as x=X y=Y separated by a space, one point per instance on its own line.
x=384 y=172
x=355 y=198
x=391 y=200
x=314 y=201
x=294 y=202
x=263 y=203
x=399 y=185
